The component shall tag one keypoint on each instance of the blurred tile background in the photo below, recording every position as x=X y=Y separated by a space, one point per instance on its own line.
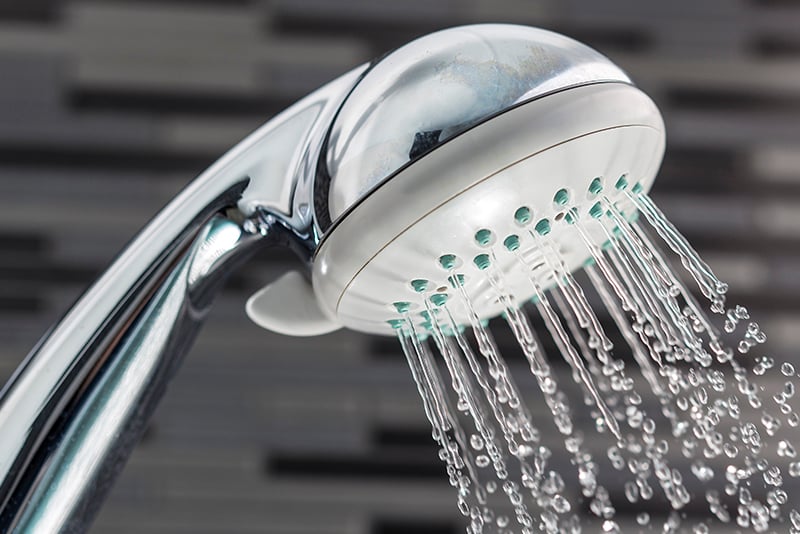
x=108 y=108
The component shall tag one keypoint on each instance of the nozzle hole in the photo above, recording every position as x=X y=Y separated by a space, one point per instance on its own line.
x=561 y=197
x=542 y=227
x=419 y=285
x=402 y=306
x=523 y=215
x=449 y=261
x=484 y=237
x=596 y=187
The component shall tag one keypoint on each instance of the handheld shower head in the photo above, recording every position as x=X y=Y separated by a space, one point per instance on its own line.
x=385 y=180
x=439 y=139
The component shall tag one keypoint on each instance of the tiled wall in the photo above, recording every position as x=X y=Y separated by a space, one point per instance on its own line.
x=107 y=108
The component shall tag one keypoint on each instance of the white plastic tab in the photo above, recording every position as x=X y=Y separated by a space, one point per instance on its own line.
x=288 y=306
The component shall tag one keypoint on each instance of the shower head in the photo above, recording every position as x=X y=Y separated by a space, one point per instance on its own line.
x=448 y=137
x=386 y=182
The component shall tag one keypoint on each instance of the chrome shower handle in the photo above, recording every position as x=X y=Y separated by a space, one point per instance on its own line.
x=99 y=408
x=74 y=409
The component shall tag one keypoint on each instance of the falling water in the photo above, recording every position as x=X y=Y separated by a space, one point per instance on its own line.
x=687 y=431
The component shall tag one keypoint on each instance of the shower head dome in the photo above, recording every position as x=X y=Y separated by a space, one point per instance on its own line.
x=460 y=140
x=439 y=86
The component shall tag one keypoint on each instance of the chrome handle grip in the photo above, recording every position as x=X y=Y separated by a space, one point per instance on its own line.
x=74 y=409
x=82 y=428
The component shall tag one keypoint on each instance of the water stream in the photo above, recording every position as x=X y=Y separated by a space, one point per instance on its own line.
x=691 y=426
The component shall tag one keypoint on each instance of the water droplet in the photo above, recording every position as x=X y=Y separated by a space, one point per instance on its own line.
x=611 y=527
x=560 y=504
x=476 y=442
x=773 y=476
x=794 y=469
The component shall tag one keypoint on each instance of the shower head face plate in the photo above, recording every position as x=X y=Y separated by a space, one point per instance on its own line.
x=548 y=156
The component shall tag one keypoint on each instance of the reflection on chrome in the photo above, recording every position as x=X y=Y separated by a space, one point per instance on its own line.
x=73 y=411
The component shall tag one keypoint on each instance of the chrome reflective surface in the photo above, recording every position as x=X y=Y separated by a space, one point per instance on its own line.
x=71 y=413
x=436 y=87
x=92 y=446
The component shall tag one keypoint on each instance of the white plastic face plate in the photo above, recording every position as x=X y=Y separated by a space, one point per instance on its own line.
x=378 y=270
